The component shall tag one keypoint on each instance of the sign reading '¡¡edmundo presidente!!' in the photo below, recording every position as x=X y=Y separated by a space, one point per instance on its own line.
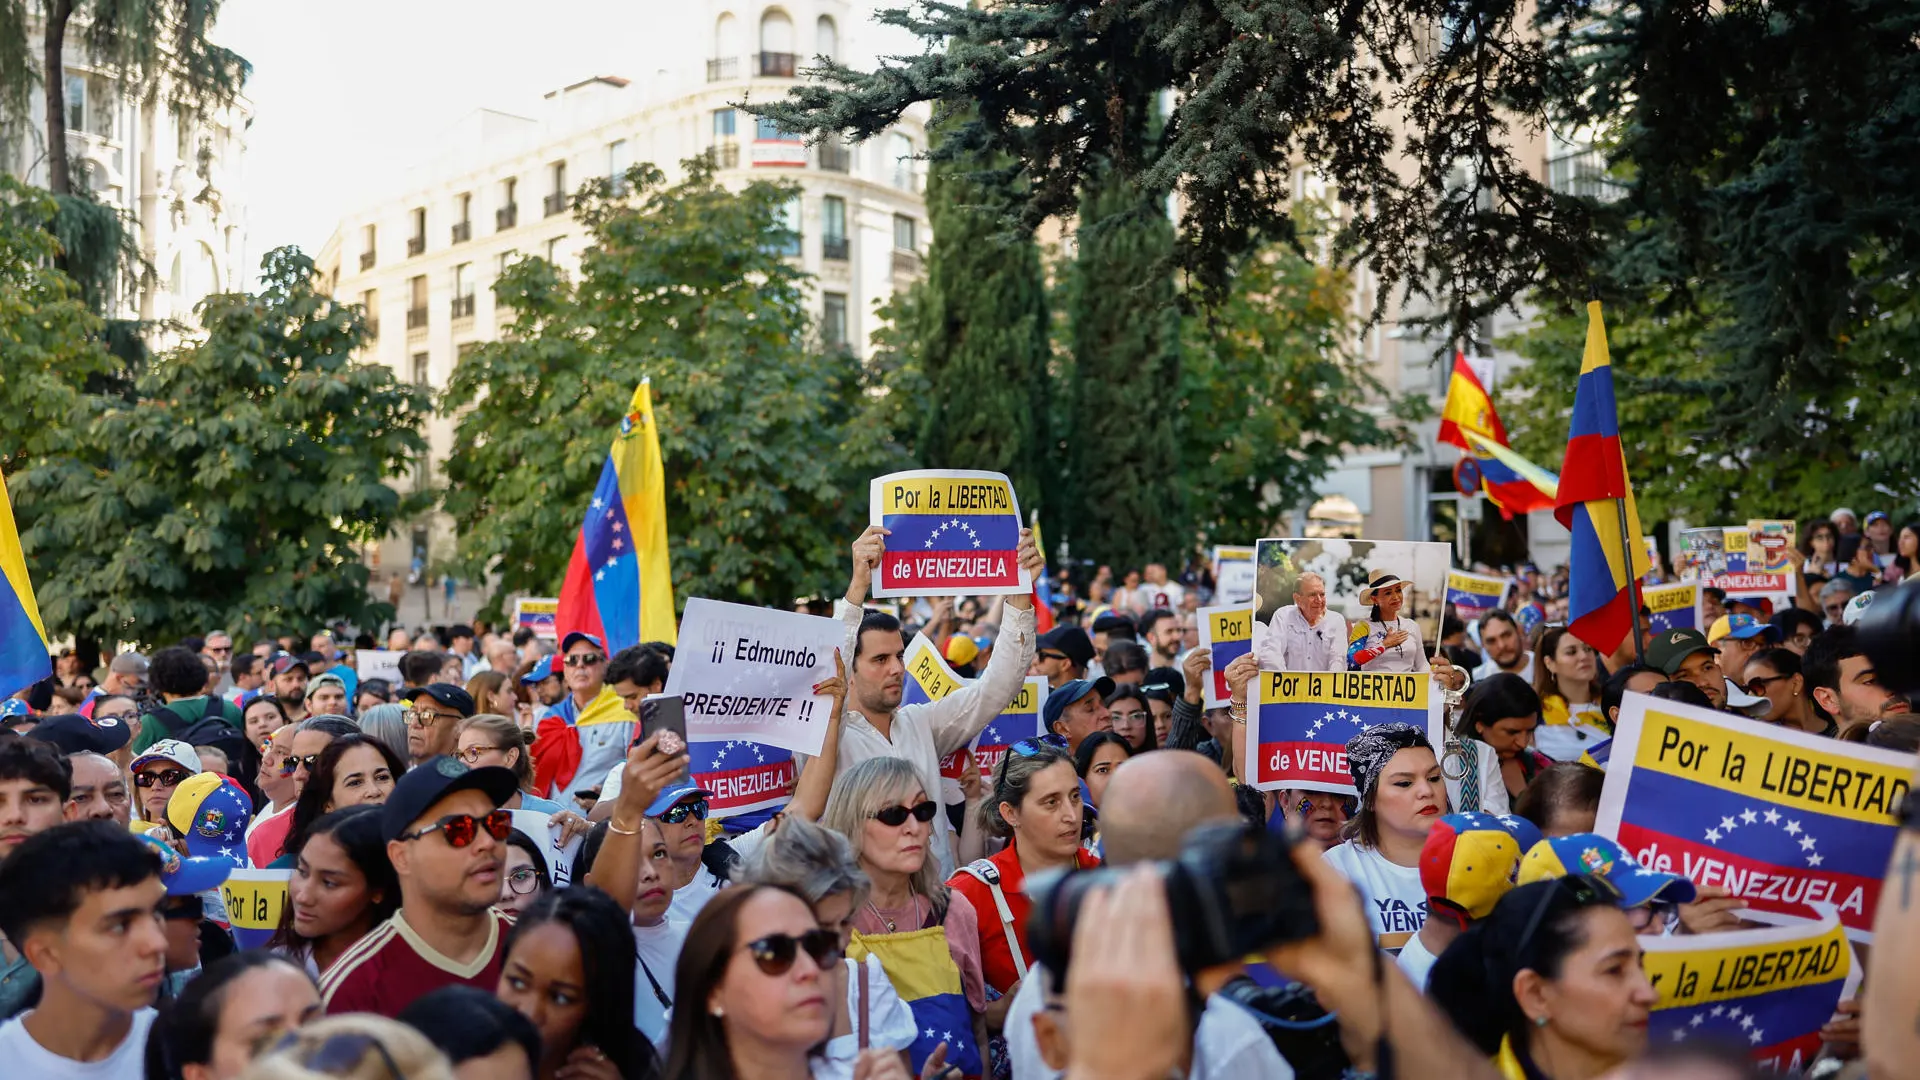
x=948 y=532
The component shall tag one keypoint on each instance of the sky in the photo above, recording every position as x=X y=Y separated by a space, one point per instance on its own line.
x=346 y=93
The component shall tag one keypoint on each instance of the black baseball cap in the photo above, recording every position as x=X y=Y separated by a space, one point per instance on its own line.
x=1070 y=642
x=1112 y=621
x=445 y=693
x=435 y=779
x=75 y=734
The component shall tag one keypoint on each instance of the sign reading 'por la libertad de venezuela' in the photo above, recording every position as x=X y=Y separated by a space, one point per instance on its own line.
x=1301 y=721
x=1784 y=820
x=948 y=532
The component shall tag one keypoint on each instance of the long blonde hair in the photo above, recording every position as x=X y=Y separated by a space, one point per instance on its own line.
x=872 y=786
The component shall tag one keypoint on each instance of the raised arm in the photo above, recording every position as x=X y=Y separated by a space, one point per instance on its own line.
x=616 y=869
x=1186 y=730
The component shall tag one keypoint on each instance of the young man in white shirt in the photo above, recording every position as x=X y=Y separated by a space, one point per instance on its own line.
x=83 y=901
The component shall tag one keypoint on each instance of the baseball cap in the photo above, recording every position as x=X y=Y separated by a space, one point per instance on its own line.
x=1856 y=608
x=211 y=813
x=674 y=794
x=172 y=750
x=445 y=693
x=1842 y=511
x=1669 y=649
x=1740 y=628
x=581 y=635
x=1069 y=692
x=128 y=663
x=961 y=649
x=1591 y=853
x=1111 y=621
x=1070 y=642
x=1876 y=515
x=1761 y=606
x=184 y=876
x=435 y=779
x=285 y=662
x=550 y=668
x=74 y=734
x=1469 y=860
x=326 y=678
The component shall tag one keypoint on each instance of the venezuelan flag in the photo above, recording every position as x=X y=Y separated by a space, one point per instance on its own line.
x=920 y=965
x=1042 y=585
x=1469 y=421
x=24 y=659
x=1020 y=720
x=1767 y=991
x=618 y=585
x=1606 y=564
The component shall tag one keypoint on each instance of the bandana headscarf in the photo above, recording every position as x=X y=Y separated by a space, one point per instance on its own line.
x=1369 y=752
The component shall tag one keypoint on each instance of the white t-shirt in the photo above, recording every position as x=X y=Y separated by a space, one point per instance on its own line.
x=658 y=949
x=1489 y=669
x=1417 y=962
x=1023 y=1047
x=1396 y=901
x=691 y=897
x=1229 y=1044
x=890 y=1024
x=1168 y=596
x=28 y=1060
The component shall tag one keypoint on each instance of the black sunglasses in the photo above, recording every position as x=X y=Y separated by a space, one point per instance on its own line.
x=678 y=812
x=170 y=778
x=895 y=816
x=1030 y=747
x=775 y=953
x=461 y=829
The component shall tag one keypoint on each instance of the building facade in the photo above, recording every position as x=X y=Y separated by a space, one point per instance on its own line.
x=422 y=259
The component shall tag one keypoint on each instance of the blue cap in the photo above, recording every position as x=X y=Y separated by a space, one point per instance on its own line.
x=673 y=795
x=187 y=877
x=1590 y=853
x=541 y=672
x=1069 y=692
x=581 y=635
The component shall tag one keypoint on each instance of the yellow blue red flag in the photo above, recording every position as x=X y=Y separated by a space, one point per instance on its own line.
x=1301 y=721
x=619 y=587
x=1469 y=421
x=1605 y=563
x=920 y=965
x=24 y=659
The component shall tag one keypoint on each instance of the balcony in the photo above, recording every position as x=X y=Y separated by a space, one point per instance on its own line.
x=775 y=65
x=417 y=318
x=462 y=231
x=366 y=261
x=555 y=203
x=416 y=245
x=1582 y=173
x=906 y=262
x=724 y=155
x=506 y=217
x=835 y=157
x=463 y=307
x=723 y=69
x=834 y=247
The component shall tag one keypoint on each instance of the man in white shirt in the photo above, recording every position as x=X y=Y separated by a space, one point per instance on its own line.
x=1304 y=635
x=1156 y=592
x=83 y=902
x=1505 y=647
x=877 y=725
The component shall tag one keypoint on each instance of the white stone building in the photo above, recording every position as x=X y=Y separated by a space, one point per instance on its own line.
x=422 y=257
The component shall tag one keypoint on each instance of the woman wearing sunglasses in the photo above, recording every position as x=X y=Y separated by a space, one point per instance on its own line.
x=753 y=1003
x=342 y=887
x=1550 y=983
x=525 y=878
x=354 y=770
x=569 y=968
x=269 y=842
x=1775 y=674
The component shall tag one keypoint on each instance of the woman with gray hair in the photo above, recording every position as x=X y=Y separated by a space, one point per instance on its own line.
x=910 y=920
x=820 y=865
x=387 y=723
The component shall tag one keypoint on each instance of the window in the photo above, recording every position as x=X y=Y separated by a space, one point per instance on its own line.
x=508 y=188
x=617 y=163
x=766 y=130
x=558 y=172
x=789 y=243
x=776 y=32
x=504 y=260
x=725 y=61
x=182 y=135
x=370 y=308
x=833 y=320
x=723 y=123
x=417 y=242
x=903 y=233
x=463 y=221
x=420 y=369
x=463 y=291
x=833 y=227
x=76 y=102
x=900 y=153
x=553 y=249
x=508 y=214
x=369 y=243
x=826 y=38
x=417 y=303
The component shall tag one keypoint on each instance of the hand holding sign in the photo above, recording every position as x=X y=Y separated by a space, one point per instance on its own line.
x=868 y=549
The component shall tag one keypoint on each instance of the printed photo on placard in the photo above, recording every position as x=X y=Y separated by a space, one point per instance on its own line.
x=1339 y=605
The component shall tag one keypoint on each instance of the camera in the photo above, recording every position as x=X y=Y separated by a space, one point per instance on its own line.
x=1890 y=634
x=1232 y=892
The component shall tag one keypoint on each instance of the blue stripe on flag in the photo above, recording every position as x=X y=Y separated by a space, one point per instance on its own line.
x=1697 y=813
x=944 y=1018
x=972 y=531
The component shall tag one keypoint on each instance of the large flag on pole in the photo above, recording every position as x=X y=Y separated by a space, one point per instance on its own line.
x=1608 y=556
x=1470 y=422
x=1042 y=584
x=618 y=585
x=24 y=659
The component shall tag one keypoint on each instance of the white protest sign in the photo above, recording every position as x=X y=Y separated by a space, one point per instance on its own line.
x=378 y=664
x=747 y=673
x=1233 y=575
x=559 y=855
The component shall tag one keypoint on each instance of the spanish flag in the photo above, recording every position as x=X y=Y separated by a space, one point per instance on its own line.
x=1605 y=564
x=24 y=659
x=618 y=586
x=1470 y=422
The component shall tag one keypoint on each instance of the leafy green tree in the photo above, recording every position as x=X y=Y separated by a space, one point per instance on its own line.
x=235 y=487
x=981 y=333
x=1125 y=495
x=769 y=441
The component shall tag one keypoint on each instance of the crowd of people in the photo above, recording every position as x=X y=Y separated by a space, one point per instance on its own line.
x=878 y=925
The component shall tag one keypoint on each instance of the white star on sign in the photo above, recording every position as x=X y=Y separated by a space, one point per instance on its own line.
x=1698 y=1020
x=1806 y=843
x=1733 y=1013
x=1719 y=1010
x=1343 y=714
x=1815 y=859
x=1746 y=1023
x=1713 y=836
x=1357 y=721
x=1754 y=1038
x=1772 y=816
x=1793 y=828
x=1727 y=824
x=1748 y=817
x=1679 y=1034
x=929 y=1033
x=947 y=1035
x=929 y=545
x=976 y=543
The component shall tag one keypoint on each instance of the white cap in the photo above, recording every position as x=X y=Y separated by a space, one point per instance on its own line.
x=173 y=750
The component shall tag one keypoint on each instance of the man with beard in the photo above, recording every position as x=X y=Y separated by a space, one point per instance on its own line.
x=1843 y=683
x=1304 y=635
x=1505 y=646
x=289 y=681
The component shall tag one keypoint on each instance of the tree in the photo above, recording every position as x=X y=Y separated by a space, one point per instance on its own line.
x=234 y=489
x=1126 y=500
x=769 y=441
x=980 y=329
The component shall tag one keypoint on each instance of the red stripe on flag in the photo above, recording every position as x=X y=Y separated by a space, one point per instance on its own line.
x=1765 y=886
x=1324 y=762
x=579 y=610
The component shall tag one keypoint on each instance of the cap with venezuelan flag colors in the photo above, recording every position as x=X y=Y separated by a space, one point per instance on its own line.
x=1469 y=860
x=1590 y=853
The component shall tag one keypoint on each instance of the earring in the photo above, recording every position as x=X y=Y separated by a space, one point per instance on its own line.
x=717 y=1012
x=1539 y=1021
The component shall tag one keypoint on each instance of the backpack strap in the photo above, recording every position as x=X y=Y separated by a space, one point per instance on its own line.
x=984 y=871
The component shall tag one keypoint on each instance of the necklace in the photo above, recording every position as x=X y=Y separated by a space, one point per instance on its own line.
x=892 y=927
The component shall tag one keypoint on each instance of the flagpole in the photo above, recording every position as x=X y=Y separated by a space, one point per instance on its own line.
x=1633 y=584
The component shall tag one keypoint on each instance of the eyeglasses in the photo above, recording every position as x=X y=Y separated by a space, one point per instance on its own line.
x=471 y=755
x=340 y=1055
x=1049 y=655
x=425 y=717
x=1585 y=889
x=170 y=778
x=895 y=816
x=679 y=811
x=461 y=829
x=1648 y=917
x=523 y=880
x=1030 y=747
x=776 y=953
x=1122 y=716
x=1758 y=686
x=295 y=764
x=585 y=659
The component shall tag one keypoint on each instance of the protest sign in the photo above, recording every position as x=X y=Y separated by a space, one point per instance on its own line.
x=1672 y=606
x=1233 y=575
x=930 y=678
x=1771 y=591
x=1347 y=568
x=742 y=775
x=1473 y=595
x=1782 y=819
x=378 y=664
x=1019 y=720
x=1768 y=545
x=1767 y=991
x=950 y=532
x=255 y=901
x=747 y=674
x=1300 y=722
x=1227 y=632
x=559 y=855
x=538 y=614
